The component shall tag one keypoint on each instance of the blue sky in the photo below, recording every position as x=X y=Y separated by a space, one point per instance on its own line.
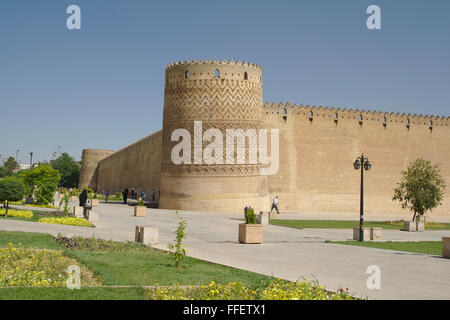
x=102 y=86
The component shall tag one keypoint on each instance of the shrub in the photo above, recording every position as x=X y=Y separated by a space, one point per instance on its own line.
x=250 y=217
x=67 y=221
x=11 y=189
x=141 y=203
x=178 y=251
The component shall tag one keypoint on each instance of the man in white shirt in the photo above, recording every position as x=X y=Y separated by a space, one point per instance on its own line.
x=275 y=205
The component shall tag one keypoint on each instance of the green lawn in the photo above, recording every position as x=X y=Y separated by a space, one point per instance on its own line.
x=343 y=224
x=427 y=247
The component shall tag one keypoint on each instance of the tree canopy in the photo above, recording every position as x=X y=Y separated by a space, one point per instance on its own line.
x=11 y=189
x=421 y=188
x=69 y=170
x=45 y=179
x=8 y=167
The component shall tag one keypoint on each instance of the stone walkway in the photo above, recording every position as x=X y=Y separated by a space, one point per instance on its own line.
x=286 y=252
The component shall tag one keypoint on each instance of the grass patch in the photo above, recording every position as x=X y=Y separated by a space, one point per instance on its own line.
x=426 y=247
x=343 y=224
x=152 y=267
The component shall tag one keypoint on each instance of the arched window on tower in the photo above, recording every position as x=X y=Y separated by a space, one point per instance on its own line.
x=186 y=75
x=245 y=75
x=217 y=73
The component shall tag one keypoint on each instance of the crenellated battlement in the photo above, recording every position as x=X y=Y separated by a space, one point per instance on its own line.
x=216 y=62
x=360 y=115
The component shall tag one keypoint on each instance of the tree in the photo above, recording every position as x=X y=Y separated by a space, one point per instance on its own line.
x=421 y=188
x=45 y=179
x=69 y=170
x=10 y=165
x=11 y=189
x=3 y=172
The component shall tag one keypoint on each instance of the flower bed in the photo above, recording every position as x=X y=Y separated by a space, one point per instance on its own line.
x=37 y=267
x=67 y=221
x=17 y=213
x=277 y=290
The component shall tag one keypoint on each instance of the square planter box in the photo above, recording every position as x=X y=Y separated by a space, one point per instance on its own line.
x=78 y=212
x=376 y=233
x=93 y=216
x=250 y=233
x=95 y=202
x=366 y=234
x=420 y=226
x=140 y=211
x=446 y=247
x=409 y=226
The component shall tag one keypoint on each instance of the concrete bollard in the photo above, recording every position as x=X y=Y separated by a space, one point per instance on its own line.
x=78 y=212
x=409 y=226
x=262 y=218
x=366 y=234
x=376 y=233
x=147 y=235
x=446 y=247
x=92 y=216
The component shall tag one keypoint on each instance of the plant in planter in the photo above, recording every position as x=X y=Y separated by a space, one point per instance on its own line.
x=95 y=201
x=420 y=190
x=250 y=231
x=140 y=210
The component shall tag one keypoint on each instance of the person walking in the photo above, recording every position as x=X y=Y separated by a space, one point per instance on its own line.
x=143 y=194
x=106 y=196
x=275 y=205
x=125 y=196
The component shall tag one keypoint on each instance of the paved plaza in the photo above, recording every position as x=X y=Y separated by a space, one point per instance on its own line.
x=286 y=252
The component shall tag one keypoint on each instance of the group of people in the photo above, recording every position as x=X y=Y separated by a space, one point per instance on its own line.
x=133 y=194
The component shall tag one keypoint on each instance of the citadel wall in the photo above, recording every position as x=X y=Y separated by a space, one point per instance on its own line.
x=89 y=166
x=319 y=145
x=317 y=149
x=135 y=166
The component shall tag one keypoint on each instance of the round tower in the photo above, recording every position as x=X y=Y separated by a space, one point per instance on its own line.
x=208 y=100
x=89 y=163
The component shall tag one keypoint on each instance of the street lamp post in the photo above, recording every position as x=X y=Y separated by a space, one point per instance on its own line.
x=363 y=164
x=31 y=160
